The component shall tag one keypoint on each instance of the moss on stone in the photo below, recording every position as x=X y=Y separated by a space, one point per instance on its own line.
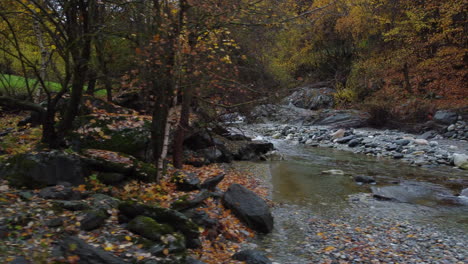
x=18 y=172
x=149 y=228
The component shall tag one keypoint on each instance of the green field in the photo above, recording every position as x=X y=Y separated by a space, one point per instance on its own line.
x=16 y=85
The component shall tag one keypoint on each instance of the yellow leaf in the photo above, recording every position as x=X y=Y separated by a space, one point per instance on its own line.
x=329 y=248
x=128 y=238
x=109 y=247
x=166 y=251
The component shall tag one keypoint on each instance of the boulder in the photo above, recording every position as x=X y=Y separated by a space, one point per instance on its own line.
x=211 y=183
x=104 y=202
x=148 y=228
x=342 y=119
x=59 y=192
x=186 y=182
x=338 y=134
x=177 y=220
x=74 y=246
x=93 y=219
x=199 y=140
x=412 y=192
x=120 y=133
x=111 y=178
x=36 y=170
x=459 y=159
x=312 y=98
x=253 y=150
x=445 y=117
x=249 y=208
x=251 y=256
x=55 y=222
x=72 y=205
x=183 y=204
x=345 y=140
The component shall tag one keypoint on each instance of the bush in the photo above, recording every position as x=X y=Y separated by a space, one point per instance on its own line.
x=379 y=114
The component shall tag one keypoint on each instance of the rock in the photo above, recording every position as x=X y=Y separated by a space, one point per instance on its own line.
x=459 y=159
x=199 y=140
x=177 y=220
x=420 y=141
x=338 y=134
x=36 y=170
x=111 y=178
x=342 y=118
x=427 y=135
x=333 y=172
x=402 y=142
x=174 y=243
x=277 y=136
x=211 y=183
x=237 y=137
x=201 y=218
x=54 y=222
x=364 y=179
x=251 y=257
x=464 y=166
x=312 y=98
x=186 y=182
x=451 y=127
x=253 y=150
x=26 y=195
x=354 y=142
x=445 y=117
x=344 y=140
x=20 y=260
x=196 y=201
x=126 y=134
x=412 y=192
x=148 y=228
x=93 y=219
x=398 y=156
x=464 y=192
x=72 y=205
x=59 y=192
x=104 y=202
x=211 y=155
x=249 y=208
x=73 y=246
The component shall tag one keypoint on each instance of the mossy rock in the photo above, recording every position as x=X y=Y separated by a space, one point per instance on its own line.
x=177 y=220
x=37 y=170
x=115 y=133
x=147 y=227
x=464 y=166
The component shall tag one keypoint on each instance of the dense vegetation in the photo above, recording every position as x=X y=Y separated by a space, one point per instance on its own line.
x=402 y=57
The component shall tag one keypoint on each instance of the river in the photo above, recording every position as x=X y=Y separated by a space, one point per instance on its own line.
x=310 y=203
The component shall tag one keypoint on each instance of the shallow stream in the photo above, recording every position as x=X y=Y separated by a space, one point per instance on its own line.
x=304 y=194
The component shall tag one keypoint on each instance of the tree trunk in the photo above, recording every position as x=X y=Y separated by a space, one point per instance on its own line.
x=183 y=126
x=44 y=59
x=158 y=128
x=407 y=78
x=91 y=83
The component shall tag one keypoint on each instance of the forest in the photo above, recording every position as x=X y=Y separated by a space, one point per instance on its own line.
x=125 y=125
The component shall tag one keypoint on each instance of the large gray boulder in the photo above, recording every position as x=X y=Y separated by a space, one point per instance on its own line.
x=312 y=98
x=445 y=117
x=35 y=170
x=249 y=208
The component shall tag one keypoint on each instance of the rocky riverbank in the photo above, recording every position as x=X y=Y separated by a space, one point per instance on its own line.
x=427 y=150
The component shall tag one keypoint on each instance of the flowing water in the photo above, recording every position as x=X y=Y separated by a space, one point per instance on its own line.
x=302 y=193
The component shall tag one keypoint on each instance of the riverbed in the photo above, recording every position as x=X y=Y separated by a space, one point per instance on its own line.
x=331 y=218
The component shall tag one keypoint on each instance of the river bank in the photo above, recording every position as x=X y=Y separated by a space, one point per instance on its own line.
x=416 y=150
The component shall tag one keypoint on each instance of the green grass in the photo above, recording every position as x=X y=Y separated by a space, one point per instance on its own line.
x=16 y=85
